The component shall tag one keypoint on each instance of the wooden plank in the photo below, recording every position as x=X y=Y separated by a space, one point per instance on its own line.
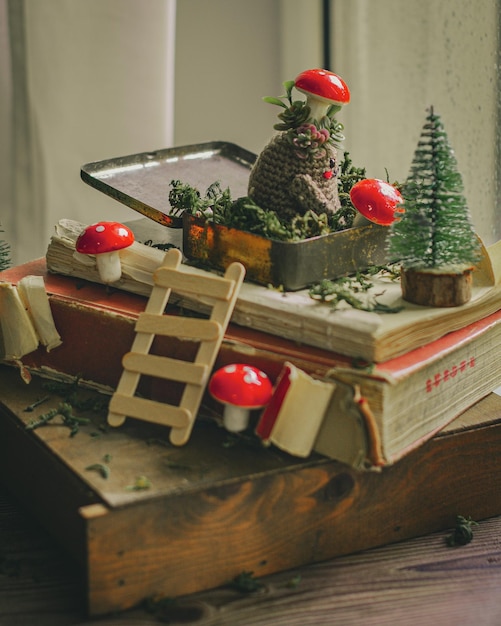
x=215 y=511
x=177 y=326
x=136 y=448
x=287 y=519
x=157 y=412
x=382 y=586
x=165 y=367
x=203 y=286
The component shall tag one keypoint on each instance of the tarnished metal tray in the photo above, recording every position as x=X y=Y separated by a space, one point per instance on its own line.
x=142 y=181
x=292 y=265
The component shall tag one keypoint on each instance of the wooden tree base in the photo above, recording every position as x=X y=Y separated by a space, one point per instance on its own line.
x=431 y=288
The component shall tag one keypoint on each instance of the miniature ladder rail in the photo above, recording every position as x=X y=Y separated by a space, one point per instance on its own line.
x=221 y=292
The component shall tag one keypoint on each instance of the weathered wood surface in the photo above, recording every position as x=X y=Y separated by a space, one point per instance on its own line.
x=410 y=583
x=215 y=511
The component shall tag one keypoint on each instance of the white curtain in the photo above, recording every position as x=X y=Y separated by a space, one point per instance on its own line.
x=80 y=81
x=400 y=57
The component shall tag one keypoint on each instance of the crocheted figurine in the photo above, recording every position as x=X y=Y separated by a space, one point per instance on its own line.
x=298 y=170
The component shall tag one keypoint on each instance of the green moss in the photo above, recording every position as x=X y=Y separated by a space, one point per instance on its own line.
x=218 y=207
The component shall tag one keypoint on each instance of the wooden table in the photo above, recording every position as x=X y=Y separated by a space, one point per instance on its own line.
x=414 y=582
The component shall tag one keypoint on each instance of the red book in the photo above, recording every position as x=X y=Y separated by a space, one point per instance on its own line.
x=377 y=413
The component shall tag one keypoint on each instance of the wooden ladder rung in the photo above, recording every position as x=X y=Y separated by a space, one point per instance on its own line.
x=166 y=367
x=183 y=327
x=209 y=333
x=184 y=283
x=157 y=412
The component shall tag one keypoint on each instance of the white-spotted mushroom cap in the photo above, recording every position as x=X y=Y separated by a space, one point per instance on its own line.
x=377 y=200
x=105 y=240
x=322 y=89
x=240 y=388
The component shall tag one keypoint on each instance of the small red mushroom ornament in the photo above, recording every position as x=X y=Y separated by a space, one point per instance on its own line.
x=104 y=240
x=322 y=89
x=377 y=200
x=241 y=388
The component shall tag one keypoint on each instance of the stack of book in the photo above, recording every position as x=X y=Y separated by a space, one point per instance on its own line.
x=361 y=387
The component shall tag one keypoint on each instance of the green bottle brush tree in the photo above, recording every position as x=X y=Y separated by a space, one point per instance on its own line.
x=434 y=238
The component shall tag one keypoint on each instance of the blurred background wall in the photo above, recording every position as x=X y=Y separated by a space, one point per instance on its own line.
x=88 y=80
x=83 y=81
x=401 y=56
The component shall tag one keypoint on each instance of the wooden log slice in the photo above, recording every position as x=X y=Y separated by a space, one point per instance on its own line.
x=436 y=289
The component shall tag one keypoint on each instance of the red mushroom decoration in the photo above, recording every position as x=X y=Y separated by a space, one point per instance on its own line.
x=240 y=388
x=105 y=240
x=322 y=89
x=377 y=201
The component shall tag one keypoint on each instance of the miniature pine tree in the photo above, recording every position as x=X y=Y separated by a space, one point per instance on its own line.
x=436 y=230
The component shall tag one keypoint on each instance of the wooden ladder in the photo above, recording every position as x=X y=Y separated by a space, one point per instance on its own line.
x=221 y=294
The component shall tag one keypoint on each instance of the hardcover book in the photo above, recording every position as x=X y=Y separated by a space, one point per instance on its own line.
x=369 y=335
x=413 y=396
x=374 y=416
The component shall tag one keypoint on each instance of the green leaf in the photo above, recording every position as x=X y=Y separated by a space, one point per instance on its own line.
x=289 y=86
x=140 y=484
x=100 y=468
x=277 y=101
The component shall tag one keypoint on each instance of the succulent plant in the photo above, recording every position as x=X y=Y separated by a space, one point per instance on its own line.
x=309 y=140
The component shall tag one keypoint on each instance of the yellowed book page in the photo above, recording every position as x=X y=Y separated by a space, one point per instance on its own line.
x=301 y=413
x=32 y=292
x=17 y=335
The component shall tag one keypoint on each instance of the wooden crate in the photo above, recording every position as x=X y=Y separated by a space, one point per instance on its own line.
x=220 y=505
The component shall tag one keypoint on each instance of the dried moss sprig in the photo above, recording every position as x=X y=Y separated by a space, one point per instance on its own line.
x=293 y=582
x=246 y=582
x=103 y=469
x=348 y=175
x=31 y=407
x=71 y=401
x=140 y=484
x=70 y=392
x=462 y=533
x=159 y=246
x=217 y=206
x=65 y=410
x=353 y=291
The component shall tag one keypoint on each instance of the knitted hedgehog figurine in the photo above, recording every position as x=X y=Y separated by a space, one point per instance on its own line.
x=297 y=171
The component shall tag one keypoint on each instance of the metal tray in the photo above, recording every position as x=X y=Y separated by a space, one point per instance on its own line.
x=291 y=265
x=142 y=181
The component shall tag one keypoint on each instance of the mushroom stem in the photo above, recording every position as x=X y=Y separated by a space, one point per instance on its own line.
x=109 y=266
x=318 y=107
x=235 y=418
